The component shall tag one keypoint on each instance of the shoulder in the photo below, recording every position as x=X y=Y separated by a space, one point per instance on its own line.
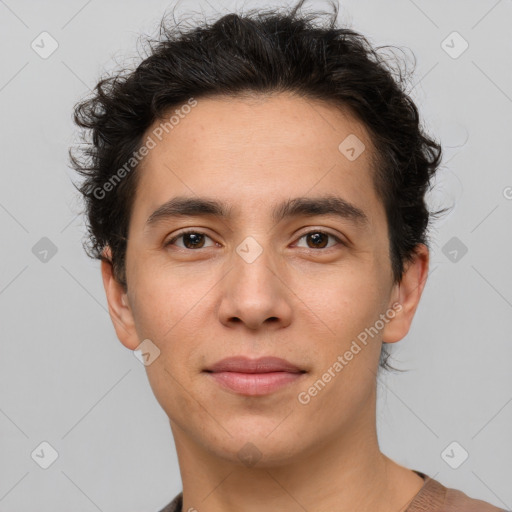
x=458 y=501
x=175 y=505
x=435 y=497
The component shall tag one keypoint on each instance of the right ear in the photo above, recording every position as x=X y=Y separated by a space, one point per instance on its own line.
x=118 y=305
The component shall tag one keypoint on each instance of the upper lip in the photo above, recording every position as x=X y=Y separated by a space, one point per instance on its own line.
x=242 y=364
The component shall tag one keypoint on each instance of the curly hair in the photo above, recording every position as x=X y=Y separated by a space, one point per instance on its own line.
x=261 y=52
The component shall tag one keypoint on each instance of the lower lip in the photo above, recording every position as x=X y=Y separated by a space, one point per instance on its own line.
x=255 y=384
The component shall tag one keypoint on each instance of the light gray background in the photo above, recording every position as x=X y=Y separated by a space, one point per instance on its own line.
x=67 y=380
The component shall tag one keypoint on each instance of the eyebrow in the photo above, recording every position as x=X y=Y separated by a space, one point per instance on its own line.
x=300 y=206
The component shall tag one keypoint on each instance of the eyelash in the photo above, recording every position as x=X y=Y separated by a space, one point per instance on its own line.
x=196 y=232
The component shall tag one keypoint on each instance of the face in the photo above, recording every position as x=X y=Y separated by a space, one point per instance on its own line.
x=296 y=268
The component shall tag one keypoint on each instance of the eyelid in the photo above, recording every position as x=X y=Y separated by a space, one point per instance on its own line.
x=324 y=231
x=305 y=233
x=186 y=231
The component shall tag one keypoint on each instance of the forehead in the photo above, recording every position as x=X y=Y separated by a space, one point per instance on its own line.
x=274 y=125
x=254 y=149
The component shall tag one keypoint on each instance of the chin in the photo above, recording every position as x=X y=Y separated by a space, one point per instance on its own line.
x=260 y=446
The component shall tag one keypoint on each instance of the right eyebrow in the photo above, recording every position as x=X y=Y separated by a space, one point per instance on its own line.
x=187 y=207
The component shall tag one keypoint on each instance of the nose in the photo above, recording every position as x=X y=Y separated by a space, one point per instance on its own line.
x=254 y=294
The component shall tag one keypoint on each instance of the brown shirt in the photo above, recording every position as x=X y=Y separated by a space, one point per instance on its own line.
x=432 y=497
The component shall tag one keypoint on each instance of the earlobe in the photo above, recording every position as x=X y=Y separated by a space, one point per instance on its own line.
x=407 y=294
x=118 y=305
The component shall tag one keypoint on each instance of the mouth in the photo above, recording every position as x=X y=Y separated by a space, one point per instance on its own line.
x=254 y=377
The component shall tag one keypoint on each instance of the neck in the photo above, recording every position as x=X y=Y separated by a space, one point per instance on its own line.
x=345 y=473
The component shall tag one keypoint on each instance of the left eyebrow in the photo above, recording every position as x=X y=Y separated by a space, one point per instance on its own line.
x=326 y=205
x=299 y=206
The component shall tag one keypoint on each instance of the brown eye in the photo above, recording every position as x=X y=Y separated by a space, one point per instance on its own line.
x=191 y=240
x=319 y=239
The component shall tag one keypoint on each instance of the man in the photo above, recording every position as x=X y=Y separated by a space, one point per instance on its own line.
x=255 y=192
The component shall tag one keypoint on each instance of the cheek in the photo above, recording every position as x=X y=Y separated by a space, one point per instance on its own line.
x=172 y=314
x=346 y=302
x=162 y=302
x=348 y=357
x=174 y=321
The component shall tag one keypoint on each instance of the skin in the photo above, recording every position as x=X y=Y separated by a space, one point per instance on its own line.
x=295 y=301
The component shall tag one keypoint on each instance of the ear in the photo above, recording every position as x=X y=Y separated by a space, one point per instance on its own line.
x=118 y=306
x=406 y=296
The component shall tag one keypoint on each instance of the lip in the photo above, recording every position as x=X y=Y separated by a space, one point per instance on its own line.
x=242 y=364
x=254 y=377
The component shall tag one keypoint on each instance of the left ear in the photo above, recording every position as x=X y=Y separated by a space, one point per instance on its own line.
x=406 y=296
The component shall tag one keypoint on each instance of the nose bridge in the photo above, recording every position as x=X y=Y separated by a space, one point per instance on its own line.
x=252 y=262
x=252 y=292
